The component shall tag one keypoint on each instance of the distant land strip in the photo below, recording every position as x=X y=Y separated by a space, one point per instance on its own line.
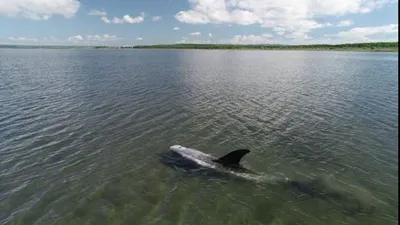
x=370 y=47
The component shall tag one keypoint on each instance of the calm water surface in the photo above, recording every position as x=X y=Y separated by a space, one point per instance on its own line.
x=82 y=133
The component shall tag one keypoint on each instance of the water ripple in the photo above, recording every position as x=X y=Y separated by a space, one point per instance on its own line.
x=79 y=135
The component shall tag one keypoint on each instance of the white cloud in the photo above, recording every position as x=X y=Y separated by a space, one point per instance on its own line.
x=79 y=39
x=22 y=39
x=36 y=40
x=289 y=16
x=139 y=38
x=366 y=34
x=129 y=19
x=307 y=37
x=279 y=30
x=39 y=9
x=345 y=23
x=176 y=28
x=195 y=33
x=105 y=19
x=356 y=35
x=49 y=38
x=124 y=19
x=101 y=38
x=96 y=12
x=75 y=39
x=298 y=36
x=252 y=39
x=156 y=18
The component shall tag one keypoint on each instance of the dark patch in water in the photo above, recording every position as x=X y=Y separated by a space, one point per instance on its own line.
x=310 y=189
x=318 y=189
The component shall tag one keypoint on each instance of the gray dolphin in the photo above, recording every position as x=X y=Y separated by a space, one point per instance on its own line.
x=193 y=159
x=230 y=161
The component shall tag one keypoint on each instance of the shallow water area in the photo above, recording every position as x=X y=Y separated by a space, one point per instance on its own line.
x=82 y=133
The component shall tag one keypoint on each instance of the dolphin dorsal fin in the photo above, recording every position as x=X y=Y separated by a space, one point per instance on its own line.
x=233 y=157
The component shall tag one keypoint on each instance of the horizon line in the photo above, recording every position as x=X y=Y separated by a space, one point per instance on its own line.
x=172 y=44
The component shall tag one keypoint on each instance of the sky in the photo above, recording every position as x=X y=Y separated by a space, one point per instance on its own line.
x=144 y=22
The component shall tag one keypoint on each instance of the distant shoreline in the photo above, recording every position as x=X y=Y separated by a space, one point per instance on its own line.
x=277 y=49
x=359 y=47
x=366 y=47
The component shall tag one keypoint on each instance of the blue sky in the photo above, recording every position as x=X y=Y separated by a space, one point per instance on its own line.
x=135 y=22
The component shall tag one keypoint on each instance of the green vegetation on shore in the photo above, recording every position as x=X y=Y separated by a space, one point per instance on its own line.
x=371 y=47
x=377 y=46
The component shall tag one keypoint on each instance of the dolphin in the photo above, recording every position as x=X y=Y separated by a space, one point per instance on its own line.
x=228 y=162
x=194 y=161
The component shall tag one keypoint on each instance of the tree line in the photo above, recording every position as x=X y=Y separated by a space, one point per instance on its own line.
x=375 y=45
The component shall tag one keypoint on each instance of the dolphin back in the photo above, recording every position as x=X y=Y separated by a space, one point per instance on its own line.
x=233 y=158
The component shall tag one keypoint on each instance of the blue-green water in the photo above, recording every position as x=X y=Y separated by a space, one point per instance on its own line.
x=82 y=131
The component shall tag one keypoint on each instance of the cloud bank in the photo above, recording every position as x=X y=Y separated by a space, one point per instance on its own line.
x=292 y=18
x=39 y=9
